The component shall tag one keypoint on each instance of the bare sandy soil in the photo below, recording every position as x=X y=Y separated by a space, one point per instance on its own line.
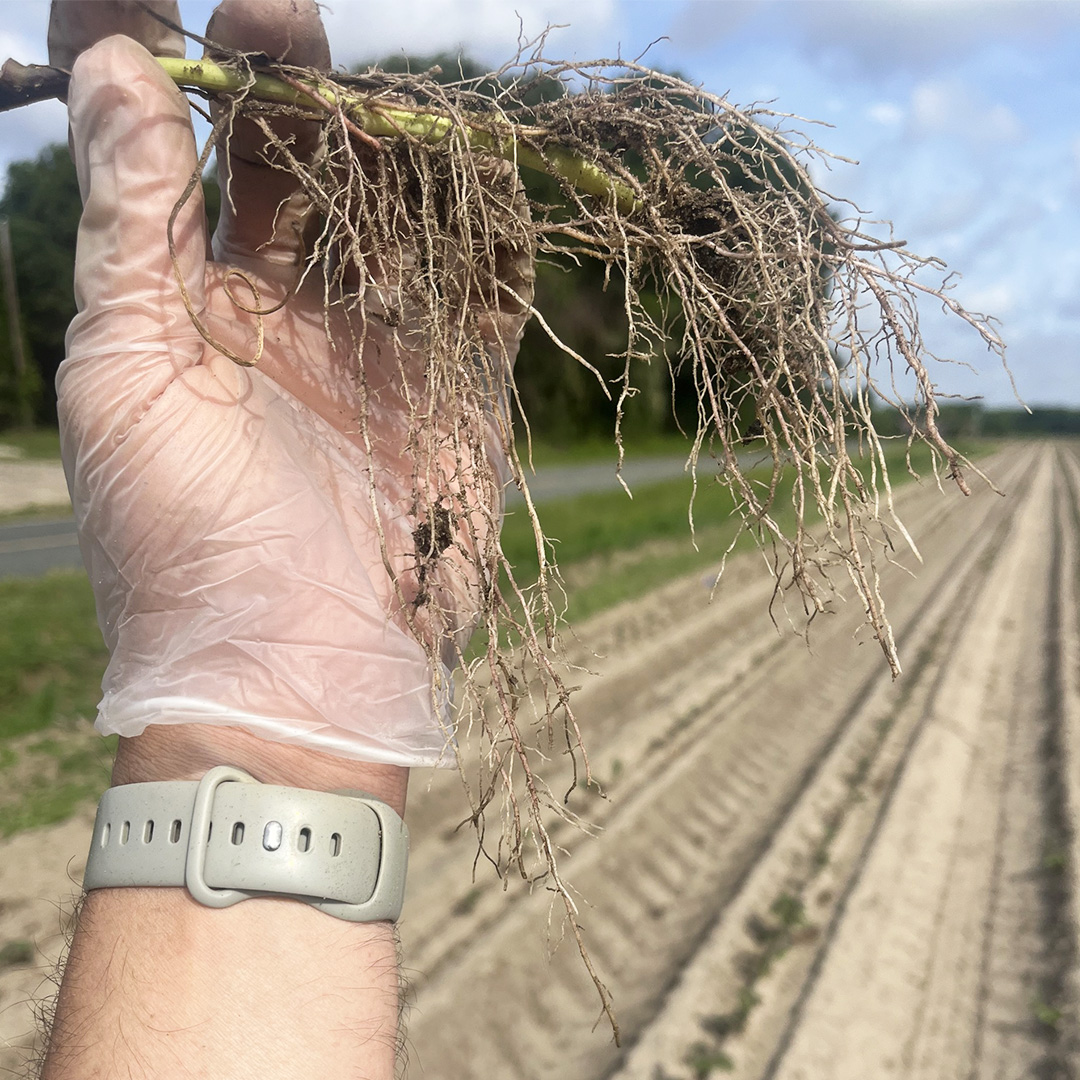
x=803 y=870
x=25 y=484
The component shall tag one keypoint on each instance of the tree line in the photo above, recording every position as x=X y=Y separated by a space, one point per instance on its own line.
x=563 y=400
x=972 y=420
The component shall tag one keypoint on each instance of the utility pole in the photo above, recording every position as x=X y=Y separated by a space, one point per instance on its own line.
x=11 y=301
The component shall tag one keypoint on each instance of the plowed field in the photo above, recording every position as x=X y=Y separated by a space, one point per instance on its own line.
x=802 y=869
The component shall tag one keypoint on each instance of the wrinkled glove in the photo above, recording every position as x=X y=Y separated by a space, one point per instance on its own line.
x=229 y=516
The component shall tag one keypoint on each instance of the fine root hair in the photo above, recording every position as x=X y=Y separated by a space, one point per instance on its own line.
x=792 y=318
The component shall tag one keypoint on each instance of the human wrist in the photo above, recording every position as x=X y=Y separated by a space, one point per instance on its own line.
x=268 y=989
x=189 y=751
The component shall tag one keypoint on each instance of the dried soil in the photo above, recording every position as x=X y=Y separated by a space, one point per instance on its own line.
x=24 y=484
x=801 y=869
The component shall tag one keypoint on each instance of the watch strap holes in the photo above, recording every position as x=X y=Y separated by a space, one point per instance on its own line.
x=125 y=832
x=335 y=845
x=271 y=839
x=238 y=833
x=174 y=832
x=304 y=843
x=105 y=834
x=148 y=832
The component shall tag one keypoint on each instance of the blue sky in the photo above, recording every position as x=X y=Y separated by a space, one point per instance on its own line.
x=964 y=116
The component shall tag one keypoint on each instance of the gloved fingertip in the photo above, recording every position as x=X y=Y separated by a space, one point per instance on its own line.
x=75 y=25
x=265 y=212
x=115 y=85
x=135 y=156
x=289 y=31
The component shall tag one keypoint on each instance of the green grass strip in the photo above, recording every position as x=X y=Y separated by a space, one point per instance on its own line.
x=35 y=444
x=51 y=653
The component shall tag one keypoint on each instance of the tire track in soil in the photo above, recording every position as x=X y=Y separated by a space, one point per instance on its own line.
x=925 y=927
x=677 y=849
x=1067 y=598
x=1029 y=947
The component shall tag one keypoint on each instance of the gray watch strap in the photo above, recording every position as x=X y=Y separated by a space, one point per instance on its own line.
x=227 y=838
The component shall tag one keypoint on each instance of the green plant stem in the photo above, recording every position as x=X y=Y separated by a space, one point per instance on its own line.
x=387 y=121
x=23 y=84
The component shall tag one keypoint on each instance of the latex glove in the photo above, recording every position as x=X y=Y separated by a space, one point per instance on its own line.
x=74 y=25
x=228 y=516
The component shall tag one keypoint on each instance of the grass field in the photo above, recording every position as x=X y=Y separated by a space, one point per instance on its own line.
x=51 y=661
x=37 y=444
x=610 y=548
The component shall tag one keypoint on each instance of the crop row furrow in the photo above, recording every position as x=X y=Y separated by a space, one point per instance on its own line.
x=915 y=919
x=712 y=983
x=741 y=766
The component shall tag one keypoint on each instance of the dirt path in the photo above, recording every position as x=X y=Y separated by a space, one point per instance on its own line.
x=804 y=870
x=24 y=484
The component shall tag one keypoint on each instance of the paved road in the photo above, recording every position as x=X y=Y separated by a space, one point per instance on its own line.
x=32 y=548
x=562 y=481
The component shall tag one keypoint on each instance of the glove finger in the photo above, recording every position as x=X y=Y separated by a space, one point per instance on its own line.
x=75 y=25
x=263 y=210
x=135 y=155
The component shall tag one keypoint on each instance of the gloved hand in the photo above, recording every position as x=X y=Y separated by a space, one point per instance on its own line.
x=253 y=563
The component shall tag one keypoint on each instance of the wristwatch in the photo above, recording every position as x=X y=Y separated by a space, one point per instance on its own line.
x=228 y=838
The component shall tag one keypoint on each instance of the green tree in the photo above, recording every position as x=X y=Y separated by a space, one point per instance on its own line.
x=41 y=199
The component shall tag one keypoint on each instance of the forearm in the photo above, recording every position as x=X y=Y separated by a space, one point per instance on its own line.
x=157 y=985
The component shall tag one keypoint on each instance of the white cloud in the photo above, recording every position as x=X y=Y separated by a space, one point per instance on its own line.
x=487 y=29
x=918 y=34
x=932 y=107
x=950 y=108
x=997 y=298
x=878 y=36
x=885 y=113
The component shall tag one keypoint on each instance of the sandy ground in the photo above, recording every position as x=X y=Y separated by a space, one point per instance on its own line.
x=40 y=875
x=24 y=484
x=803 y=869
